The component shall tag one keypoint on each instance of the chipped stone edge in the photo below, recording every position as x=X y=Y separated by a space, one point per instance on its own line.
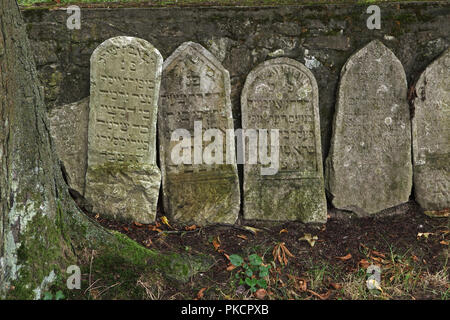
x=420 y=83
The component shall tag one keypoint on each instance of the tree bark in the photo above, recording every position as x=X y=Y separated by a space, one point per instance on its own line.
x=39 y=222
x=41 y=229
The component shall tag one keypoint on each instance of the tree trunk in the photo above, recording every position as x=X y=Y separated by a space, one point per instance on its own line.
x=41 y=229
x=37 y=214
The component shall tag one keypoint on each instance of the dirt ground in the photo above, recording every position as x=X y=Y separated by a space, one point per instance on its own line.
x=410 y=248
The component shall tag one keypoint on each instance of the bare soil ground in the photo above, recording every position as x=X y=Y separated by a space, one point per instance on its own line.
x=410 y=248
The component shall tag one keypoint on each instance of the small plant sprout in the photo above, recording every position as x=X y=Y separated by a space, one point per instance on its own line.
x=252 y=273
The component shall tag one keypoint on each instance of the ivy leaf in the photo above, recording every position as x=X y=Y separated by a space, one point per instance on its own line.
x=255 y=260
x=236 y=260
x=48 y=296
x=59 y=295
x=263 y=274
x=262 y=283
x=250 y=282
x=249 y=272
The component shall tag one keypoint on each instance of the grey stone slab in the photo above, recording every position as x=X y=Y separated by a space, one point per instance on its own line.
x=195 y=88
x=282 y=94
x=369 y=167
x=431 y=135
x=122 y=179
x=69 y=131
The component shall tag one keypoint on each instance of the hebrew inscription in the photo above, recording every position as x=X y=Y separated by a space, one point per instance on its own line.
x=282 y=94
x=195 y=97
x=122 y=179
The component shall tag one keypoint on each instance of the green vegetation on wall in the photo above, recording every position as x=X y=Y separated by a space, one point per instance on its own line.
x=207 y=2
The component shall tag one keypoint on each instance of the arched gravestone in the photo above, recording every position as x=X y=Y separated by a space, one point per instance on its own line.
x=122 y=179
x=369 y=164
x=282 y=94
x=431 y=135
x=195 y=92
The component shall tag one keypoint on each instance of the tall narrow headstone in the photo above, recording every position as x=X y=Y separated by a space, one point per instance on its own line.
x=122 y=179
x=195 y=98
x=369 y=164
x=431 y=136
x=282 y=94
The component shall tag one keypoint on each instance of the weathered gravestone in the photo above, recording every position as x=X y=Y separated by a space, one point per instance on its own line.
x=282 y=94
x=122 y=179
x=369 y=164
x=69 y=130
x=431 y=136
x=195 y=97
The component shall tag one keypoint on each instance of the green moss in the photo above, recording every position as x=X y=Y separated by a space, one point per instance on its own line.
x=173 y=266
x=213 y=197
x=159 y=3
x=113 y=168
x=41 y=251
x=269 y=200
x=405 y=18
x=131 y=251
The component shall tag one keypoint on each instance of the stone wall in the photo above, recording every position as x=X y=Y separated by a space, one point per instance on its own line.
x=320 y=36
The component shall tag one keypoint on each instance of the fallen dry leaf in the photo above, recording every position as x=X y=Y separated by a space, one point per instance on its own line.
x=251 y=229
x=320 y=296
x=200 y=294
x=190 y=228
x=379 y=254
x=280 y=252
x=231 y=267
x=363 y=263
x=378 y=259
x=335 y=286
x=283 y=231
x=308 y=237
x=216 y=243
x=445 y=243
x=438 y=214
x=345 y=258
x=424 y=234
x=154 y=228
x=137 y=224
x=260 y=293
x=242 y=236
x=166 y=221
